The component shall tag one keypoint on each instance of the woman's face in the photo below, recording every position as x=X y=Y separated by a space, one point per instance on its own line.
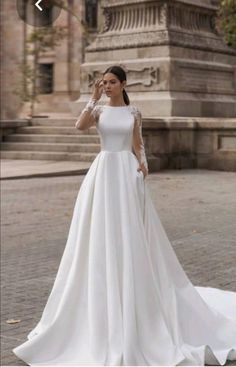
x=112 y=86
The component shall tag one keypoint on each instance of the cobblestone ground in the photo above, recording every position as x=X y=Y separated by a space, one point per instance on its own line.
x=197 y=209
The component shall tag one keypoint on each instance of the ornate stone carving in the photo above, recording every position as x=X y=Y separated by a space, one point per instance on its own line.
x=176 y=64
x=164 y=15
x=190 y=18
x=107 y=20
x=146 y=76
x=160 y=37
x=141 y=23
x=132 y=17
x=146 y=14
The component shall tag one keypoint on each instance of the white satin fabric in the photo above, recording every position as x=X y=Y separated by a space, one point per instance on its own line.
x=120 y=296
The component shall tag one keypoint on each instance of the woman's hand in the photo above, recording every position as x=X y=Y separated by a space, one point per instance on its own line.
x=98 y=89
x=143 y=169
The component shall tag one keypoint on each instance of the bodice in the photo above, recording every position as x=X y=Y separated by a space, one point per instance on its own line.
x=115 y=127
x=119 y=127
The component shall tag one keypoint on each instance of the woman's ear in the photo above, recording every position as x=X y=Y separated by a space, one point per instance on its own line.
x=124 y=83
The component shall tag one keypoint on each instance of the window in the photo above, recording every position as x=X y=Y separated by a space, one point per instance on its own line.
x=45 y=78
x=91 y=13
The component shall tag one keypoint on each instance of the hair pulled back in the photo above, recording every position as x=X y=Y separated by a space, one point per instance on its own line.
x=121 y=75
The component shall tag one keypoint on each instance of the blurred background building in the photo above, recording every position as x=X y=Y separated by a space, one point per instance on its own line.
x=60 y=67
x=181 y=74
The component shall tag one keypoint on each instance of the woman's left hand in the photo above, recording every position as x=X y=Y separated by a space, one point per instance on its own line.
x=143 y=169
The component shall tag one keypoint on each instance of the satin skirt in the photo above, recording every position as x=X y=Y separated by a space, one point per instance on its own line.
x=120 y=296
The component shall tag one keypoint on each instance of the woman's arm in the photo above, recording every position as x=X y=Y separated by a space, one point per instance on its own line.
x=87 y=117
x=138 y=144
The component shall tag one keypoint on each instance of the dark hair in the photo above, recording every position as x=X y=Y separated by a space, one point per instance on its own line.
x=121 y=75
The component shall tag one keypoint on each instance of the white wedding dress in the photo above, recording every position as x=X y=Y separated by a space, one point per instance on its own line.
x=120 y=296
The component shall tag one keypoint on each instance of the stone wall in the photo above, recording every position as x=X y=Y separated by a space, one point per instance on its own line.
x=190 y=143
x=176 y=63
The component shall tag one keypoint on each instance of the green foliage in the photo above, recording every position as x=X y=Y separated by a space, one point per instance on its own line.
x=45 y=38
x=24 y=89
x=227 y=21
x=39 y=41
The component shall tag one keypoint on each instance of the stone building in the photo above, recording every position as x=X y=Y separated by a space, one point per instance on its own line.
x=180 y=72
x=60 y=66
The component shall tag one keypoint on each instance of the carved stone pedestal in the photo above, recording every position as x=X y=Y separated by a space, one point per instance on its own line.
x=176 y=63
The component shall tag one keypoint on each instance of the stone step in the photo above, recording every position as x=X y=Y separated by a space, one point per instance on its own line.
x=50 y=147
x=56 y=130
x=66 y=122
x=53 y=115
x=52 y=103
x=53 y=156
x=52 y=138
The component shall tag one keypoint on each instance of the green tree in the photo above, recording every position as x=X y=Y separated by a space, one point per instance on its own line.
x=227 y=21
x=39 y=41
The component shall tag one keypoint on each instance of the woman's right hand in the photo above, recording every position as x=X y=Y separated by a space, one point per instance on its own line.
x=98 y=89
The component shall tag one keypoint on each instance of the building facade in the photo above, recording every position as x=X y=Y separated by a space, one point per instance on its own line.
x=180 y=73
x=59 y=68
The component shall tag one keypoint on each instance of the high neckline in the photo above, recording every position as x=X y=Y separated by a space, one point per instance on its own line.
x=106 y=105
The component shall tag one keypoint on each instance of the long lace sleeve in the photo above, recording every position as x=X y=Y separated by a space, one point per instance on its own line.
x=138 y=144
x=95 y=111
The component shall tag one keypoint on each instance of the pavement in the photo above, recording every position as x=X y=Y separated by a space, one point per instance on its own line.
x=196 y=207
x=17 y=168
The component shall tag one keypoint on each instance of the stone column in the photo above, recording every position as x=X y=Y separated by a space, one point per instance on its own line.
x=176 y=63
x=75 y=51
x=12 y=52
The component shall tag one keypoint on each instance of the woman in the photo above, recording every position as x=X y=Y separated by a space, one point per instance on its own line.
x=120 y=296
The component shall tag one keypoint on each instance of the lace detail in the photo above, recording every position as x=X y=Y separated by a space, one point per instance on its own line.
x=138 y=144
x=96 y=112
x=90 y=105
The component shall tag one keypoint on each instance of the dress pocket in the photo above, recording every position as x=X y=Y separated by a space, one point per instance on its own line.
x=140 y=185
x=141 y=174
